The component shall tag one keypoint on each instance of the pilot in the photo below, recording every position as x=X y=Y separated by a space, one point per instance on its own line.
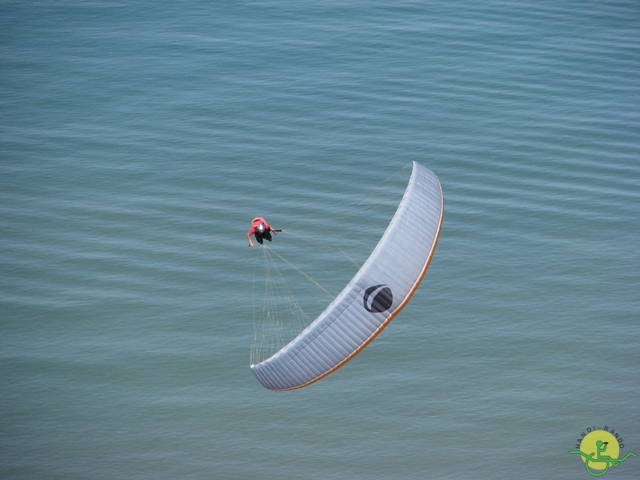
x=261 y=230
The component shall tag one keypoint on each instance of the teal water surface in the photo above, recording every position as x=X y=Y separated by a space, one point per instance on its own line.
x=138 y=140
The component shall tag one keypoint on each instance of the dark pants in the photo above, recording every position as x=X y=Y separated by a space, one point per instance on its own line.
x=266 y=235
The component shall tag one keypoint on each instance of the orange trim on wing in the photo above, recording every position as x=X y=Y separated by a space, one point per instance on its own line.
x=391 y=317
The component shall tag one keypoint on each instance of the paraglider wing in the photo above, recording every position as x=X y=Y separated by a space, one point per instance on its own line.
x=377 y=293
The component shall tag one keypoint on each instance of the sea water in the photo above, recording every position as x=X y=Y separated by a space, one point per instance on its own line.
x=137 y=141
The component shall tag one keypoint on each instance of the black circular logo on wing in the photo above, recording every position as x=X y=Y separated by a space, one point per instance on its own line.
x=378 y=298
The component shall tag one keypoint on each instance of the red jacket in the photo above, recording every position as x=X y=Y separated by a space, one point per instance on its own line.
x=257 y=221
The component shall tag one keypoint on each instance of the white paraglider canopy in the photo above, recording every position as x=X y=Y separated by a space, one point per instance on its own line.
x=375 y=295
